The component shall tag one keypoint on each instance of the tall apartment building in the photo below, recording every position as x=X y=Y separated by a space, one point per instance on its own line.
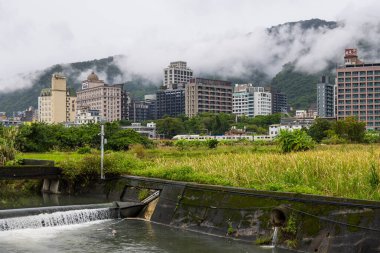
x=279 y=100
x=55 y=104
x=143 y=110
x=325 y=98
x=170 y=102
x=251 y=101
x=358 y=90
x=151 y=101
x=262 y=101
x=177 y=72
x=109 y=100
x=205 y=95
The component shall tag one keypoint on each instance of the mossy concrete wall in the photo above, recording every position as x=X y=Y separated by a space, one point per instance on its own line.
x=313 y=223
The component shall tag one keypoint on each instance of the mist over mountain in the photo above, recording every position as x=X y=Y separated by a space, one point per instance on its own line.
x=289 y=56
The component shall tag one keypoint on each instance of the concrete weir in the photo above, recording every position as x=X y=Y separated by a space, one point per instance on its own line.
x=306 y=223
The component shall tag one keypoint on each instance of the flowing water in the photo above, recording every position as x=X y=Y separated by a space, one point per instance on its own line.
x=275 y=236
x=92 y=230
x=114 y=236
x=55 y=219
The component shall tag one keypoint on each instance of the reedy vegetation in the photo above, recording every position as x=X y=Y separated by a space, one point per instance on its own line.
x=350 y=170
x=7 y=144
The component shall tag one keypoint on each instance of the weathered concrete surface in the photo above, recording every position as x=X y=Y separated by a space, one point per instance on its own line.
x=30 y=172
x=313 y=223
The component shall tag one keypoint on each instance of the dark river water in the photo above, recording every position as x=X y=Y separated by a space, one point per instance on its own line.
x=107 y=235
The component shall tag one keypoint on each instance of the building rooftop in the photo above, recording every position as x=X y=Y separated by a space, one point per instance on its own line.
x=93 y=77
x=210 y=81
x=45 y=92
x=359 y=65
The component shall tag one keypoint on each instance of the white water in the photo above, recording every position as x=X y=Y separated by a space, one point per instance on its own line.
x=275 y=236
x=55 y=219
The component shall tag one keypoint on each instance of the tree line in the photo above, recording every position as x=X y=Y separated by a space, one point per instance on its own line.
x=42 y=137
x=214 y=124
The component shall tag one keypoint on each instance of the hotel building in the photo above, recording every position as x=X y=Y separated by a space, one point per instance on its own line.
x=358 y=90
x=109 y=100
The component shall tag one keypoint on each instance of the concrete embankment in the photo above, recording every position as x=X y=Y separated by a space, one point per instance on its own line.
x=305 y=223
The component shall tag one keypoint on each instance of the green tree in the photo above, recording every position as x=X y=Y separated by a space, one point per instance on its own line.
x=7 y=144
x=350 y=129
x=170 y=127
x=121 y=140
x=319 y=130
x=37 y=137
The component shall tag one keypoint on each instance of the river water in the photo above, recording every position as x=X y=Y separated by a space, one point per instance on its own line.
x=118 y=236
x=107 y=235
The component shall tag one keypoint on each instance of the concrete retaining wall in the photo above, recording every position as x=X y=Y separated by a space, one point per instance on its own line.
x=310 y=223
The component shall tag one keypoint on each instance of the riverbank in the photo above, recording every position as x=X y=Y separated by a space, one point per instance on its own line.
x=350 y=171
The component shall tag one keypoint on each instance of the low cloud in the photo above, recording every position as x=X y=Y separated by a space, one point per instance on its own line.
x=219 y=39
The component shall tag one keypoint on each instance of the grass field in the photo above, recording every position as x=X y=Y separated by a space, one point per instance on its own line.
x=351 y=171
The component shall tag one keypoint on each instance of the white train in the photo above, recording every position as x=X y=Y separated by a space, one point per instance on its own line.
x=222 y=137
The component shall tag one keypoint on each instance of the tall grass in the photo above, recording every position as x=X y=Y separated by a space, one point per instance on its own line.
x=346 y=171
x=351 y=171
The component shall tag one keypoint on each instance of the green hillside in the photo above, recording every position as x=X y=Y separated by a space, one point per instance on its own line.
x=300 y=88
x=21 y=99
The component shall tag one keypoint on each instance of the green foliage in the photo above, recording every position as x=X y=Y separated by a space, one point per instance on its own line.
x=214 y=124
x=138 y=150
x=296 y=140
x=182 y=144
x=7 y=145
x=350 y=129
x=84 y=150
x=333 y=139
x=170 y=127
x=41 y=137
x=374 y=178
x=212 y=143
x=230 y=229
x=263 y=240
x=371 y=137
x=143 y=194
x=298 y=86
x=80 y=173
x=122 y=139
x=318 y=131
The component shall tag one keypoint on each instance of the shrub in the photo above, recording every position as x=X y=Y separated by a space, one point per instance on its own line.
x=181 y=144
x=371 y=137
x=296 y=140
x=212 y=143
x=122 y=139
x=7 y=145
x=334 y=139
x=138 y=150
x=84 y=150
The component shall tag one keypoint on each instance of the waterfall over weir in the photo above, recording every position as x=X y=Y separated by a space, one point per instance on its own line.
x=55 y=219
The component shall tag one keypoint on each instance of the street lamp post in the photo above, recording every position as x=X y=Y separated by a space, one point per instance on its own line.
x=102 y=151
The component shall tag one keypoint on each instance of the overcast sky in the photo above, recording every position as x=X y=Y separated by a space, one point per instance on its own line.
x=37 y=34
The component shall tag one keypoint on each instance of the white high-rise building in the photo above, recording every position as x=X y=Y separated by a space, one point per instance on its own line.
x=176 y=73
x=251 y=101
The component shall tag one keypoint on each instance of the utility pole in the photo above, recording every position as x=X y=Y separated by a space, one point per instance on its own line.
x=102 y=151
